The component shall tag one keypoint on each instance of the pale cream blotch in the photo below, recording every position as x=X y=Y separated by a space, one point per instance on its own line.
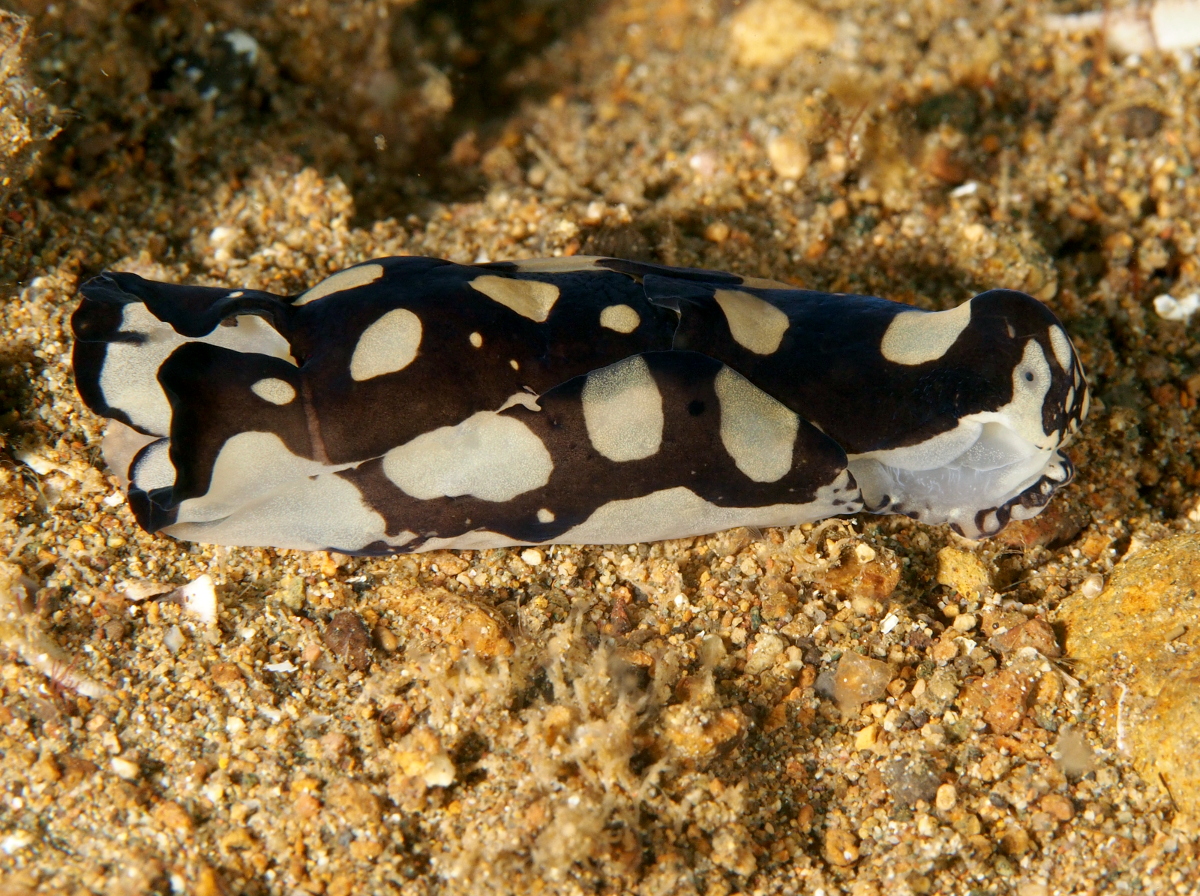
x=274 y=390
x=1031 y=383
x=129 y=378
x=386 y=346
x=679 y=513
x=529 y=298
x=918 y=337
x=758 y=432
x=314 y=513
x=476 y=340
x=1062 y=349
x=545 y=515
x=249 y=466
x=620 y=318
x=488 y=456
x=755 y=324
x=351 y=278
x=524 y=399
x=153 y=468
x=623 y=410
x=263 y=494
x=564 y=264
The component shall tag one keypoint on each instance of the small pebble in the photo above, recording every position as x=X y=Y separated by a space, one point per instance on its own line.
x=789 y=159
x=532 y=556
x=126 y=769
x=716 y=232
x=859 y=680
x=946 y=797
x=962 y=571
x=965 y=622
x=841 y=847
x=348 y=639
x=774 y=32
x=385 y=640
x=764 y=652
x=1092 y=585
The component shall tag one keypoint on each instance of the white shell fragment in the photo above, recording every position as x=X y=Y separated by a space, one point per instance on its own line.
x=1171 y=308
x=199 y=599
x=1138 y=28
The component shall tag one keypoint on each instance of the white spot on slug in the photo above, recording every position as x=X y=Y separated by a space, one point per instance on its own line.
x=754 y=323
x=917 y=337
x=387 y=345
x=152 y=468
x=545 y=515
x=274 y=390
x=487 y=456
x=351 y=278
x=757 y=431
x=679 y=512
x=620 y=318
x=129 y=378
x=564 y=264
x=476 y=340
x=524 y=399
x=262 y=494
x=1062 y=350
x=622 y=409
x=529 y=298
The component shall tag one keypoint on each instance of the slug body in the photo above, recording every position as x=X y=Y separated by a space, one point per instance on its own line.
x=410 y=404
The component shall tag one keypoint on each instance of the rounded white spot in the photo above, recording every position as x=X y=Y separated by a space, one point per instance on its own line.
x=262 y=494
x=529 y=298
x=623 y=410
x=351 y=278
x=129 y=377
x=1062 y=348
x=476 y=340
x=620 y=318
x=1031 y=381
x=387 y=345
x=274 y=390
x=562 y=265
x=754 y=323
x=153 y=468
x=758 y=432
x=917 y=337
x=513 y=364
x=488 y=456
x=545 y=515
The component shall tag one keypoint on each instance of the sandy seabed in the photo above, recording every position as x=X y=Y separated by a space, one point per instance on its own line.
x=866 y=706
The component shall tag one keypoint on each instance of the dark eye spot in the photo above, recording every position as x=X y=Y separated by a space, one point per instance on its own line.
x=1028 y=377
x=696 y=407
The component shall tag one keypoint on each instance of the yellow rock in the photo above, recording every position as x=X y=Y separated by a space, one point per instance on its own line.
x=773 y=32
x=858 y=680
x=1137 y=642
x=962 y=571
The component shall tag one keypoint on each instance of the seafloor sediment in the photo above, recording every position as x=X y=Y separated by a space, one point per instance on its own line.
x=865 y=706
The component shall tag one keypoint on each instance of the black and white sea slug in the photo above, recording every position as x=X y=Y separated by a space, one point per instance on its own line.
x=408 y=404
